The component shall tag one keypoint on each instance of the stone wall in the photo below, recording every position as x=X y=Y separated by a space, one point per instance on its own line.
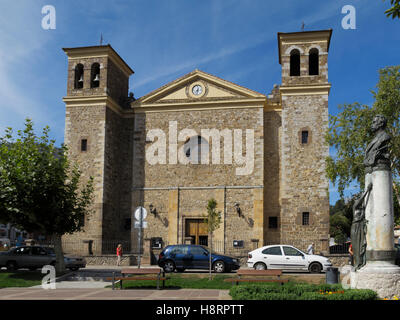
x=181 y=191
x=272 y=174
x=88 y=123
x=304 y=183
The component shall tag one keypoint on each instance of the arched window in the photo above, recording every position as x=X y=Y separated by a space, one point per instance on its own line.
x=78 y=76
x=313 y=62
x=295 y=63
x=95 y=75
x=196 y=149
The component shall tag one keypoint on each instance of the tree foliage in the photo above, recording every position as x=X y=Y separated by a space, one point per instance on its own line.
x=39 y=189
x=394 y=11
x=213 y=220
x=349 y=132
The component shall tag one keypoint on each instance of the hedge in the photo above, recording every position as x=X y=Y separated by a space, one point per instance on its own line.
x=295 y=291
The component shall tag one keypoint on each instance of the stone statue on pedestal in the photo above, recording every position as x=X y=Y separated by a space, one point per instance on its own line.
x=374 y=253
x=377 y=152
x=359 y=231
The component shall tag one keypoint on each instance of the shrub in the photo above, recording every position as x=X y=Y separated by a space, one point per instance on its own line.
x=293 y=291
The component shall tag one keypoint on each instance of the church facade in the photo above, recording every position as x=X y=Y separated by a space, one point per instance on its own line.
x=260 y=156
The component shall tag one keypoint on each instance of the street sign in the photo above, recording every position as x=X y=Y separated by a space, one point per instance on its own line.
x=137 y=213
x=137 y=224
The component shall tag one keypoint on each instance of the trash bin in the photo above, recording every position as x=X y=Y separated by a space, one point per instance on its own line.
x=332 y=275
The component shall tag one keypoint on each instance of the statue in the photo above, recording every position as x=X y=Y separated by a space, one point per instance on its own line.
x=377 y=152
x=359 y=231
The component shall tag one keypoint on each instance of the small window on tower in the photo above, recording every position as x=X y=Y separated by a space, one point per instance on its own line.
x=304 y=136
x=273 y=222
x=295 y=63
x=78 y=76
x=313 y=62
x=306 y=218
x=84 y=145
x=95 y=76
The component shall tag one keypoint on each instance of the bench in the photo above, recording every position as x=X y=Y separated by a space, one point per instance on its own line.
x=139 y=274
x=257 y=273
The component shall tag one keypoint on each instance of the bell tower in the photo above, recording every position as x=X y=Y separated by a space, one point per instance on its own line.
x=98 y=133
x=304 y=96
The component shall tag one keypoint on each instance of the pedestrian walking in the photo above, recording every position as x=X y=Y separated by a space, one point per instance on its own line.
x=119 y=254
x=310 y=249
x=351 y=258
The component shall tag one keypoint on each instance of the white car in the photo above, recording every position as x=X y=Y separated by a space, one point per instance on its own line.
x=287 y=258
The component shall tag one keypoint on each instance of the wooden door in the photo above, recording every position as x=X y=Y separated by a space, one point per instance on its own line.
x=197 y=230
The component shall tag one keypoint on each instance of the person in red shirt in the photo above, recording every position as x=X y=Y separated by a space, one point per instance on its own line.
x=119 y=254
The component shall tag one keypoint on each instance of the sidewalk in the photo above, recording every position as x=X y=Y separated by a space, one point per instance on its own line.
x=109 y=294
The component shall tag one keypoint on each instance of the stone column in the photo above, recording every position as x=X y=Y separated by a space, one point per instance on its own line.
x=380 y=224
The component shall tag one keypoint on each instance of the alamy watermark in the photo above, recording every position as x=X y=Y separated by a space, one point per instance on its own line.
x=196 y=147
x=49 y=280
x=349 y=20
x=49 y=20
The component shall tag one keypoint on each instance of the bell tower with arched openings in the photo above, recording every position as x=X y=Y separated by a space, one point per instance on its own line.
x=98 y=134
x=304 y=96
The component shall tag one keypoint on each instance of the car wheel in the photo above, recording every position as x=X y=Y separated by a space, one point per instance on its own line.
x=169 y=266
x=219 y=266
x=11 y=265
x=180 y=269
x=315 y=267
x=260 y=266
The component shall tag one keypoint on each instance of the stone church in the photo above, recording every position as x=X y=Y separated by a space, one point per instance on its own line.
x=260 y=156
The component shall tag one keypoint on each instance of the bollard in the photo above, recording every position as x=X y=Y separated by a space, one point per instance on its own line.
x=332 y=275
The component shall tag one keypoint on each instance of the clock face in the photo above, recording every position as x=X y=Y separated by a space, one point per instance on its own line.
x=197 y=90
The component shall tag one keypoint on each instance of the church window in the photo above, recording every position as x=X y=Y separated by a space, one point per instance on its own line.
x=305 y=218
x=295 y=63
x=304 y=136
x=95 y=75
x=196 y=149
x=273 y=222
x=84 y=145
x=79 y=76
x=313 y=62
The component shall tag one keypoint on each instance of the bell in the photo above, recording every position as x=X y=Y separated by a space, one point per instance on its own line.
x=81 y=79
x=96 y=78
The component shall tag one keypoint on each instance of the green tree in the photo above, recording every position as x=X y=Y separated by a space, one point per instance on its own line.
x=394 y=11
x=341 y=216
x=349 y=133
x=39 y=189
x=213 y=220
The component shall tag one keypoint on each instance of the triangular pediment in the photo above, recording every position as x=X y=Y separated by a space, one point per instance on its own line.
x=195 y=88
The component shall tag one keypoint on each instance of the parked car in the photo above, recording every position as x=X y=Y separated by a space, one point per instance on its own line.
x=34 y=257
x=183 y=256
x=287 y=258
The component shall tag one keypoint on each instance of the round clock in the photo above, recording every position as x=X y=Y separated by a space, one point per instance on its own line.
x=197 y=90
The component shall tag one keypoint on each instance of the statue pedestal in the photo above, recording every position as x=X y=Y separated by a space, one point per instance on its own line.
x=384 y=279
x=379 y=273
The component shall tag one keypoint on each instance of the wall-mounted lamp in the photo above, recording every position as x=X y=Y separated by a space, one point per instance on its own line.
x=152 y=209
x=238 y=209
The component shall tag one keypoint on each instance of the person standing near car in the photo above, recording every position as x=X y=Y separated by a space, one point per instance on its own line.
x=310 y=249
x=119 y=254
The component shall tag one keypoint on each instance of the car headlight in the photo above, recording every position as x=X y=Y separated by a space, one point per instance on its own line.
x=235 y=260
x=328 y=261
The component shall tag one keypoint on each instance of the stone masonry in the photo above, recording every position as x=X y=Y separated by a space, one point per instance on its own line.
x=137 y=152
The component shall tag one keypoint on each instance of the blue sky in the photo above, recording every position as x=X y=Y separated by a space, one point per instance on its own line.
x=164 y=39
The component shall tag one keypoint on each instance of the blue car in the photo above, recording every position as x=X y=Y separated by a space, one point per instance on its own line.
x=184 y=256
